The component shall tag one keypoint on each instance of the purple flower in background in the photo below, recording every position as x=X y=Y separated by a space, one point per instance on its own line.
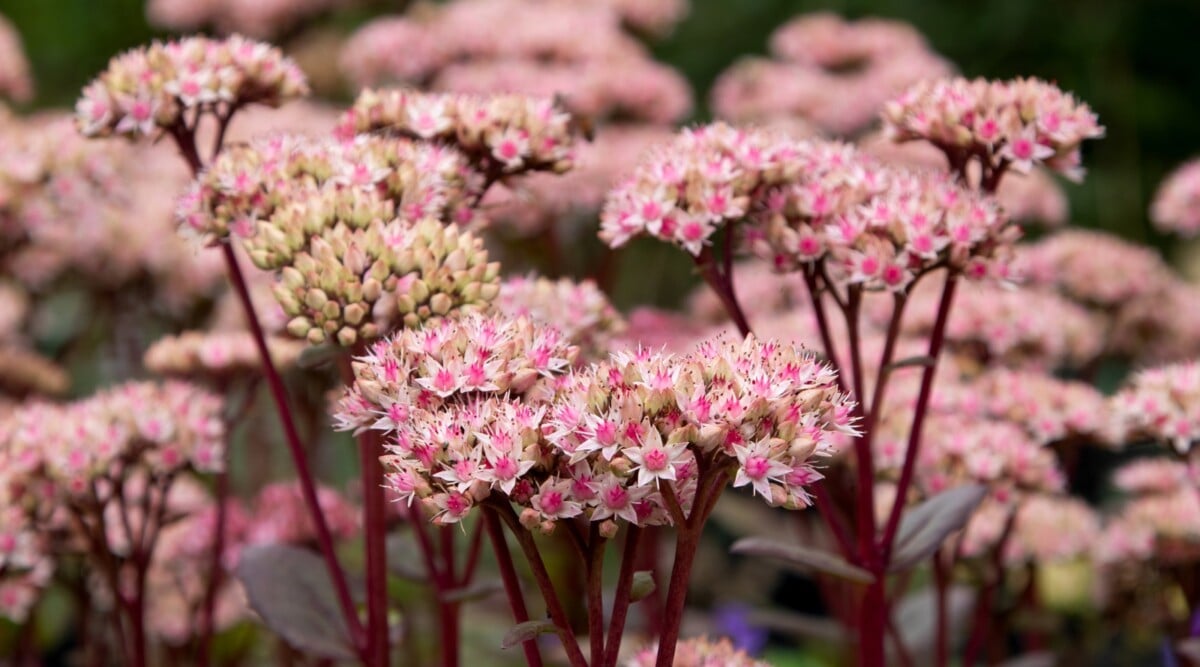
x=733 y=621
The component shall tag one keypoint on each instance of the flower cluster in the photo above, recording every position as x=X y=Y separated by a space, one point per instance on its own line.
x=573 y=49
x=699 y=652
x=96 y=211
x=1161 y=519
x=449 y=398
x=1094 y=268
x=833 y=72
x=544 y=201
x=152 y=89
x=957 y=450
x=1176 y=205
x=218 y=354
x=260 y=18
x=1048 y=408
x=646 y=424
x=248 y=182
x=1052 y=528
x=349 y=269
x=501 y=135
x=1005 y=124
x=875 y=226
x=159 y=427
x=26 y=564
x=15 y=81
x=579 y=310
x=1025 y=328
x=23 y=372
x=1035 y=197
x=1161 y=403
x=685 y=191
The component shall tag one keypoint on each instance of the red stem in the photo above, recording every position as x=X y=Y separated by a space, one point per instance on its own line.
x=378 y=642
x=937 y=339
x=512 y=585
x=818 y=304
x=215 y=572
x=299 y=458
x=620 y=609
x=941 y=582
x=553 y=606
x=595 y=593
x=186 y=141
x=833 y=520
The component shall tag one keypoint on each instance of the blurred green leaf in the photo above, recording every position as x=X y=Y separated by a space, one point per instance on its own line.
x=923 y=528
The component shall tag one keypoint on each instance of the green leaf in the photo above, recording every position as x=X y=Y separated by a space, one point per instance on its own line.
x=523 y=632
x=292 y=592
x=643 y=586
x=802 y=557
x=924 y=527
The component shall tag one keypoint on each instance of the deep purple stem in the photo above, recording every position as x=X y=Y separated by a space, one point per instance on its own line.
x=512 y=585
x=936 y=341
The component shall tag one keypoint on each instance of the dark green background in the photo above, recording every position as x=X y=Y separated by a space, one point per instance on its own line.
x=1134 y=62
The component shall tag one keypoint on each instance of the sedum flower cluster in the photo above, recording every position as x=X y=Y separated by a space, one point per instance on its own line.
x=449 y=396
x=85 y=463
x=162 y=428
x=501 y=135
x=1160 y=403
x=481 y=406
x=15 y=80
x=699 y=652
x=167 y=86
x=215 y=354
x=806 y=201
x=1160 y=519
x=580 y=310
x=1003 y=124
x=260 y=18
x=349 y=269
x=569 y=48
x=1176 y=205
x=760 y=411
x=248 y=182
x=832 y=72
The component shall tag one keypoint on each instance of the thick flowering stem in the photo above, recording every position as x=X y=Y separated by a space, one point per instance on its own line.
x=512 y=585
x=375 y=536
x=308 y=487
x=687 y=543
x=595 y=593
x=936 y=341
x=941 y=584
x=558 y=614
x=186 y=141
x=620 y=609
x=818 y=304
x=720 y=279
x=215 y=573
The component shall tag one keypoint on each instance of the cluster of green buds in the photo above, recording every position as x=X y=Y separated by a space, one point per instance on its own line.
x=349 y=269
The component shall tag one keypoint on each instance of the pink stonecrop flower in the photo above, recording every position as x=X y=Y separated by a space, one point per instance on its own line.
x=1008 y=124
x=149 y=89
x=500 y=134
x=1176 y=205
x=832 y=72
x=15 y=80
x=803 y=202
x=1160 y=403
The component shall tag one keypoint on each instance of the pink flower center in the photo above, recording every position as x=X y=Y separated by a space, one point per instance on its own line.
x=656 y=459
x=756 y=467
